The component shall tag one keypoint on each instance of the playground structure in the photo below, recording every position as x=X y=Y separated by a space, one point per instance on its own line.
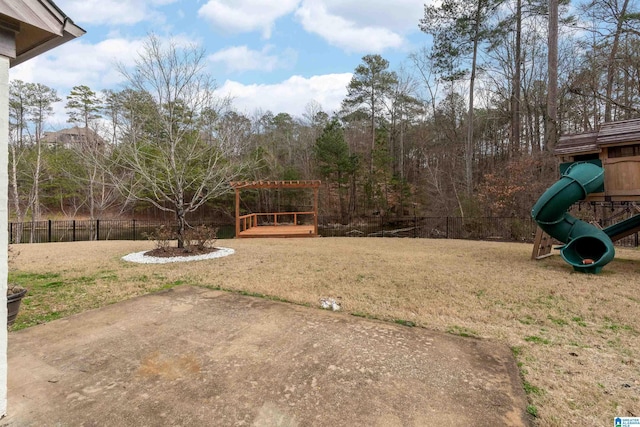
x=277 y=224
x=599 y=166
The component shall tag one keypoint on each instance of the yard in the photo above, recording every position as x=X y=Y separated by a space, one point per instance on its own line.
x=575 y=336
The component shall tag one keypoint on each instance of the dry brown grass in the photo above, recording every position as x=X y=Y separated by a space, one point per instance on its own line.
x=574 y=335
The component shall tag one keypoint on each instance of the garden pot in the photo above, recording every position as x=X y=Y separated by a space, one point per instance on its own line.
x=13 y=305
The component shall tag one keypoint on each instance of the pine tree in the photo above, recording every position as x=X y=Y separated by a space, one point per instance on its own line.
x=334 y=161
x=83 y=106
x=368 y=92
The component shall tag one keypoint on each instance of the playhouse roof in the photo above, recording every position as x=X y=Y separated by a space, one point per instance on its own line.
x=577 y=143
x=622 y=132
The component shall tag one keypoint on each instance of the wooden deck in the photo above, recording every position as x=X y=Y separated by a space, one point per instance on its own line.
x=277 y=224
x=278 y=231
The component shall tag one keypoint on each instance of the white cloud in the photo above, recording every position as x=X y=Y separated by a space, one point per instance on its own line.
x=401 y=16
x=351 y=25
x=77 y=63
x=290 y=96
x=240 y=16
x=112 y=12
x=241 y=58
x=345 y=33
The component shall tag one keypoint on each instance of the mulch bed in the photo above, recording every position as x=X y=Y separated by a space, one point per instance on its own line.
x=177 y=252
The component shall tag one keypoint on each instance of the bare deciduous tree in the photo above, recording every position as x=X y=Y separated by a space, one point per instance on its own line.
x=172 y=165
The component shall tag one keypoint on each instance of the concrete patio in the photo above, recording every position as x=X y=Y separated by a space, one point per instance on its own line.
x=195 y=357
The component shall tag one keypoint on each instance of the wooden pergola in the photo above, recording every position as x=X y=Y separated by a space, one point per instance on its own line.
x=249 y=226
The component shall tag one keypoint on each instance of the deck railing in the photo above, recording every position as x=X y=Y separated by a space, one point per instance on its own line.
x=276 y=215
x=246 y=222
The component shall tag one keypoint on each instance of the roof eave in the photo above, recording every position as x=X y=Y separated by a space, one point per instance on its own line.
x=570 y=151
x=69 y=31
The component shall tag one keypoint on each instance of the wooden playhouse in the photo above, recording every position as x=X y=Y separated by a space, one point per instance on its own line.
x=616 y=145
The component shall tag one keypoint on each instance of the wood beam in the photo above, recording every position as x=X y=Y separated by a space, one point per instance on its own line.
x=276 y=184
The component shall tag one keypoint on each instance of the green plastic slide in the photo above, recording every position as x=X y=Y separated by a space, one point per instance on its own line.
x=624 y=228
x=587 y=248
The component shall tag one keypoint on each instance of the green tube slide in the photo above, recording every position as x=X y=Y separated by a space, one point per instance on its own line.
x=587 y=248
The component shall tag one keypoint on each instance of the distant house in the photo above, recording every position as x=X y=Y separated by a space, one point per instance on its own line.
x=72 y=137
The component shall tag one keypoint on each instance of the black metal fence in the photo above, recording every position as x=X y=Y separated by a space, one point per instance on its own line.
x=483 y=228
x=100 y=229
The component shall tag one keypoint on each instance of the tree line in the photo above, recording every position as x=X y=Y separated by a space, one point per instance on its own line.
x=463 y=128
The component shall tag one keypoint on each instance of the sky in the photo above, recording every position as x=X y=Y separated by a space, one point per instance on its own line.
x=277 y=55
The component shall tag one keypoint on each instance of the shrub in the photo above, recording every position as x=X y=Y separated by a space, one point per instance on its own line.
x=162 y=236
x=200 y=238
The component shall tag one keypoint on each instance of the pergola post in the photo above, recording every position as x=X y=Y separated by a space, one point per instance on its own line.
x=237 y=212
x=315 y=210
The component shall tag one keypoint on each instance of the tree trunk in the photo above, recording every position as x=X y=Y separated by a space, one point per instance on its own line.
x=352 y=196
x=35 y=199
x=468 y=155
x=92 y=206
x=17 y=235
x=343 y=206
x=515 y=90
x=373 y=128
x=180 y=218
x=611 y=63
x=552 y=93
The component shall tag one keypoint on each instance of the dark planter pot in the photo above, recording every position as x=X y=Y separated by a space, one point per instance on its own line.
x=13 y=306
